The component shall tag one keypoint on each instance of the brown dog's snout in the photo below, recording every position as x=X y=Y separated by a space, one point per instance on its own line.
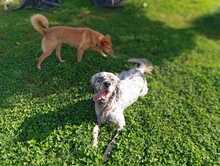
x=110 y=52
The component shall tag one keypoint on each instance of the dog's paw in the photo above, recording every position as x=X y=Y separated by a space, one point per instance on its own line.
x=61 y=60
x=39 y=67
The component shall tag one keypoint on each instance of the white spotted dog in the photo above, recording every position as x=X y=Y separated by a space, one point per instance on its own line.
x=114 y=93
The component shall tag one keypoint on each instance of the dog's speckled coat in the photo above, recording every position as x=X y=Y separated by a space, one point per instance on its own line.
x=114 y=93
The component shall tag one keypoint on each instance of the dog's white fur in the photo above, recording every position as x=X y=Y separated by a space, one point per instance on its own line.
x=122 y=91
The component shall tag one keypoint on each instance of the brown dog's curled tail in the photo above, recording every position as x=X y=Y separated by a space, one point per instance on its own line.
x=40 y=23
x=143 y=65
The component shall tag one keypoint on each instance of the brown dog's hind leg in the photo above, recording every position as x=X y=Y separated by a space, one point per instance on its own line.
x=48 y=45
x=58 y=53
x=43 y=56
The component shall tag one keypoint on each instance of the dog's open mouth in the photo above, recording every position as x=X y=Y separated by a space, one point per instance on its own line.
x=107 y=53
x=101 y=95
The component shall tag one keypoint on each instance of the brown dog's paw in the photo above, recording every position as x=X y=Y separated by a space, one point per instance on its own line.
x=38 y=67
x=61 y=61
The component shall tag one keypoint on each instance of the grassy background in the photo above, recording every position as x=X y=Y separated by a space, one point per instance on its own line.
x=46 y=117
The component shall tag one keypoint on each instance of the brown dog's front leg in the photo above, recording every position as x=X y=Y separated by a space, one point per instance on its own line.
x=96 y=49
x=58 y=53
x=80 y=52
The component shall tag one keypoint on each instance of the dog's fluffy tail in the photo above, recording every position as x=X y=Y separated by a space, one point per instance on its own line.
x=143 y=65
x=40 y=23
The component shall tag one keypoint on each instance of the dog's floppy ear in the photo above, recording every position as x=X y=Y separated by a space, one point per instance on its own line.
x=117 y=92
x=116 y=74
x=104 y=42
x=92 y=81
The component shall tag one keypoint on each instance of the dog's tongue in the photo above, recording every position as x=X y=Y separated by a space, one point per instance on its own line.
x=100 y=95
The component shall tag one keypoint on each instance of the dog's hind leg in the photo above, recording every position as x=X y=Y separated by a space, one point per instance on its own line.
x=43 y=56
x=58 y=53
x=47 y=46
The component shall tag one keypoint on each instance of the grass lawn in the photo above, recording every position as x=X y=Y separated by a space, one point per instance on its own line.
x=46 y=117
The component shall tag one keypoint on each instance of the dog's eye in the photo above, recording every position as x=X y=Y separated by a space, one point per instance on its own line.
x=98 y=80
x=112 y=80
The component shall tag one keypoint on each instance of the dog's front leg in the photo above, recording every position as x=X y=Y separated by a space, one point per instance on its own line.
x=120 y=126
x=58 y=53
x=95 y=134
x=111 y=145
x=120 y=121
x=80 y=52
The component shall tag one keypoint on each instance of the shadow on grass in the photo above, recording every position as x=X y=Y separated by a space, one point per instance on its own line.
x=208 y=25
x=134 y=34
x=39 y=126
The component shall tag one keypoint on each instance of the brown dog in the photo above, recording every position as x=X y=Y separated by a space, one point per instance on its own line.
x=81 y=38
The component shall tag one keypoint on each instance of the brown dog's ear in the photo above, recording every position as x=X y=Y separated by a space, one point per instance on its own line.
x=104 y=42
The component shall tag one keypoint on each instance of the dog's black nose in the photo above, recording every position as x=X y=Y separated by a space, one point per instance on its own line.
x=107 y=84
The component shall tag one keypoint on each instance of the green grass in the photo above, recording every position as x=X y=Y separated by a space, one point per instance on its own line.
x=46 y=117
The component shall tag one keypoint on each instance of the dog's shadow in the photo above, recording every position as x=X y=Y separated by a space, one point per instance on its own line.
x=40 y=126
